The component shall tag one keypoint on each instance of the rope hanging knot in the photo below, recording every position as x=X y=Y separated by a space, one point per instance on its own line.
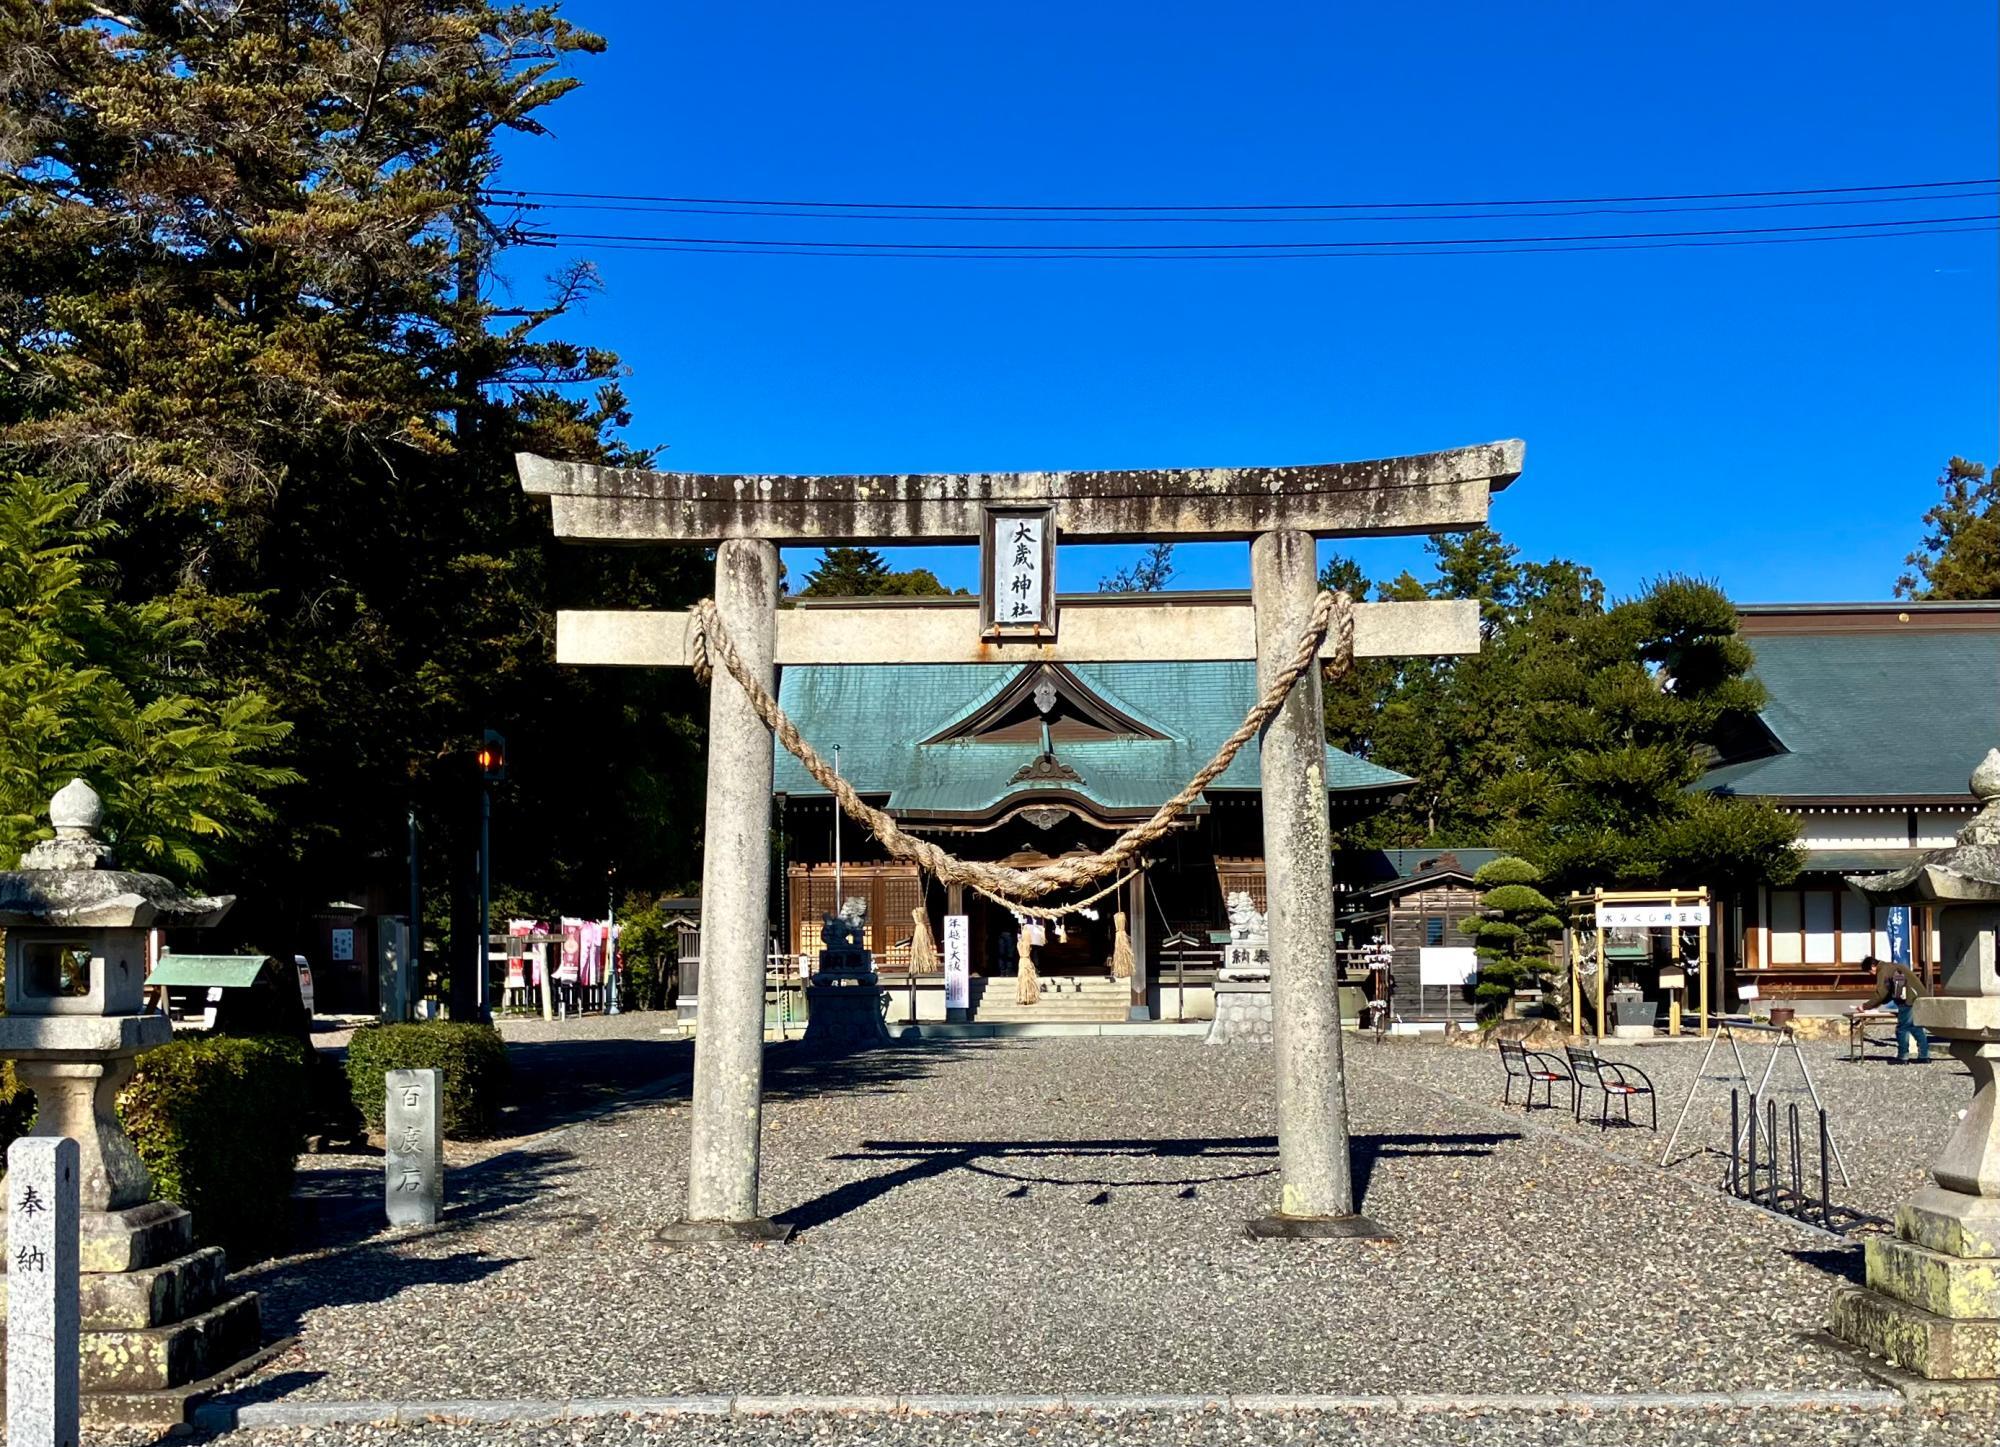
x=1332 y=614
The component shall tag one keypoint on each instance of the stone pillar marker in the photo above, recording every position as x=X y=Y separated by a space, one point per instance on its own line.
x=735 y=903
x=1932 y=1302
x=42 y=1301
x=413 y=1150
x=1316 y=1188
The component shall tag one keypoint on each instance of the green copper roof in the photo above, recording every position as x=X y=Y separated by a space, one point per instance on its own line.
x=879 y=714
x=234 y=971
x=1866 y=714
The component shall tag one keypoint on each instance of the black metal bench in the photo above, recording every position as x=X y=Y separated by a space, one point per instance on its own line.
x=1532 y=1068
x=1612 y=1080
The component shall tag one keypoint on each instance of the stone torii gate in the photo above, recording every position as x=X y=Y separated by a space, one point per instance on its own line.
x=1279 y=510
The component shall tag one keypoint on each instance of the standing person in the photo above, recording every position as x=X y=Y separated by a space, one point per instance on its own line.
x=1897 y=985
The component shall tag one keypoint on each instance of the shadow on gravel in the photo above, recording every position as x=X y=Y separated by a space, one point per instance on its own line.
x=557 y=1082
x=1366 y=1150
x=1185 y=1164
x=343 y=1206
x=368 y=1277
x=792 y=1072
x=1845 y=1262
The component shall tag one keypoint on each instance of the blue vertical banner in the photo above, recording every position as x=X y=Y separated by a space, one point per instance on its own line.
x=1898 y=930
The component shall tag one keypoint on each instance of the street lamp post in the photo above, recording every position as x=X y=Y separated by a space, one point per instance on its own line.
x=492 y=769
x=611 y=1006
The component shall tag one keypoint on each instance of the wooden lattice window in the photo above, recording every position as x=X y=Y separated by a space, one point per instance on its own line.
x=1246 y=875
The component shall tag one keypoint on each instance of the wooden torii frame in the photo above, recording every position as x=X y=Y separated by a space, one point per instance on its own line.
x=1279 y=510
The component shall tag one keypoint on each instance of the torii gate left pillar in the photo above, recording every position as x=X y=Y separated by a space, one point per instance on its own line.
x=1281 y=510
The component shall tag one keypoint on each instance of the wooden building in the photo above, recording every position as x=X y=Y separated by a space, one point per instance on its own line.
x=1877 y=714
x=1411 y=900
x=1024 y=765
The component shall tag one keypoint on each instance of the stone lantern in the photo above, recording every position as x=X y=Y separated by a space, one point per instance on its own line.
x=1932 y=1302
x=154 y=1313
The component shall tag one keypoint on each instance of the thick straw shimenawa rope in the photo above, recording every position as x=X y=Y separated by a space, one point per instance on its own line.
x=1332 y=613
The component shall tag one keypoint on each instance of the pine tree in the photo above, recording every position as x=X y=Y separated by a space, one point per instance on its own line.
x=91 y=692
x=1149 y=573
x=1960 y=557
x=249 y=255
x=1511 y=932
x=863 y=573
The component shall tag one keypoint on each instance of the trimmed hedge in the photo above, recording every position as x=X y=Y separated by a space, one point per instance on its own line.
x=472 y=1057
x=220 y=1120
x=17 y=1107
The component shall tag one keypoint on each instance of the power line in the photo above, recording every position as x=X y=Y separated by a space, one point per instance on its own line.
x=1270 y=247
x=752 y=248
x=501 y=199
x=1902 y=186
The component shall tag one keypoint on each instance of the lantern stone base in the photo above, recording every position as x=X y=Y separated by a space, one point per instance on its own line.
x=845 y=1013
x=1935 y=1347
x=156 y=1314
x=1932 y=1302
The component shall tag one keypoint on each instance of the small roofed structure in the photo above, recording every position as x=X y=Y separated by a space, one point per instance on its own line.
x=250 y=994
x=1411 y=900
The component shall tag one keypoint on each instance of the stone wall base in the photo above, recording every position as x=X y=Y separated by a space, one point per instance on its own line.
x=1242 y=1013
x=846 y=1016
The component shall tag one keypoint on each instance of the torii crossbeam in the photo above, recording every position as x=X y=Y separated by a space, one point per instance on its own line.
x=1017 y=517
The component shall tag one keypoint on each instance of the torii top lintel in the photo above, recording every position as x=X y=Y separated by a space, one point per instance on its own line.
x=1423 y=493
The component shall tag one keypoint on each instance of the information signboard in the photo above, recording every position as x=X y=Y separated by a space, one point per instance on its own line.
x=957 y=962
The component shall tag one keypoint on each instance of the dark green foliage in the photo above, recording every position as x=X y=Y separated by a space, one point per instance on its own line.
x=17 y=1107
x=95 y=689
x=1576 y=735
x=472 y=1057
x=250 y=301
x=650 y=948
x=219 y=1120
x=862 y=573
x=1960 y=556
x=1511 y=932
x=1150 y=574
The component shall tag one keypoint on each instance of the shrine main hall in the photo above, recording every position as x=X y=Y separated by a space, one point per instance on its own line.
x=1023 y=764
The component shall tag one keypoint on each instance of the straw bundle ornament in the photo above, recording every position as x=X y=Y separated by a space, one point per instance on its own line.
x=1121 y=948
x=1028 y=984
x=923 y=949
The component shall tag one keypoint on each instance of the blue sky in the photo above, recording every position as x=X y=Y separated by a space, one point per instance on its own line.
x=1772 y=417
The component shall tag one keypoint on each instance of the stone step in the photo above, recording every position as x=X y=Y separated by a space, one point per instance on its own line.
x=1906 y=1336
x=150 y=1296
x=152 y=1359
x=1956 y=1287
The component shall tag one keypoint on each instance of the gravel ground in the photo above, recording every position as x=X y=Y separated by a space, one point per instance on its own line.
x=563 y=1071
x=1066 y=1214
x=1887 y=1120
x=1158 y=1429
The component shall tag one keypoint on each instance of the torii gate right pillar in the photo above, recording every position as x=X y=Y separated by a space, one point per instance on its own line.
x=1316 y=1190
